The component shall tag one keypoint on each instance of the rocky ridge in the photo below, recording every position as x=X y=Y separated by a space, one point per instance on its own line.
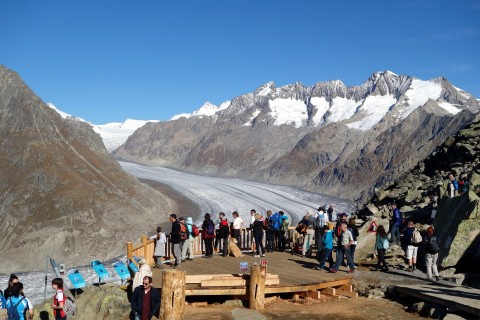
x=423 y=196
x=62 y=194
x=327 y=138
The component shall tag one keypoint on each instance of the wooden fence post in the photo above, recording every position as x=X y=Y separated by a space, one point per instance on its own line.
x=173 y=295
x=256 y=297
x=144 y=240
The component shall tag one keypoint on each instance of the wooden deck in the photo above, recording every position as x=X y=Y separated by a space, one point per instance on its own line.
x=461 y=298
x=296 y=274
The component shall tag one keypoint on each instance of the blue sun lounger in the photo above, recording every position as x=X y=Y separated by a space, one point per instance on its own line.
x=99 y=269
x=121 y=270
x=76 y=279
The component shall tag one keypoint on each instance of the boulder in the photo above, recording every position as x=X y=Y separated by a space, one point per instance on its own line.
x=373 y=209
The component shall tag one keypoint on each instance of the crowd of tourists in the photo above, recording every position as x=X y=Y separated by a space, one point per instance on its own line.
x=333 y=234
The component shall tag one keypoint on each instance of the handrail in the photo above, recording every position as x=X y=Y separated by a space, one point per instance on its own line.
x=146 y=247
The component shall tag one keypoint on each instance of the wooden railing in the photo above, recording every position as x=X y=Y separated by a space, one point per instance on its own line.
x=147 y=246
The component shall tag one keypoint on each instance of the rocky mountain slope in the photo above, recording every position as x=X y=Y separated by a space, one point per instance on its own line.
x=61 y=193
x=456 y=220
x=327 y=138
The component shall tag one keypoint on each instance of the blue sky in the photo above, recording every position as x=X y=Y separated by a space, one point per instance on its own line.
x=108 y=61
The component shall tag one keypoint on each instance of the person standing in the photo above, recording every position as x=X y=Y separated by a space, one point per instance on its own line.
x=432 y=247
x=159 y=252
x=208 y=233
x=343 y=249
x=237 y=227
x=187 y=244
x=331 y=215
x=223 y=233
x=258 y=234
x=452 y=186
x=29 y=312
x=352 y=227
x=381 y=246
x=18 y=301
x=11 y=282
x=270 y=234
x=176 y=240
x=58 y=299
x=411 y=245
x=397 y=221
x=283 y=229
x=327 y=244
x=253 y=212
x=145 y=300
x=310 y=234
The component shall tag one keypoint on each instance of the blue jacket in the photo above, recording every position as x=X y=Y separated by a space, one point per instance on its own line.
x=397 y=217
x=327 y=240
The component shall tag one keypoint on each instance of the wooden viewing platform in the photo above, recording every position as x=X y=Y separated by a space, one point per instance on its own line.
x=296 y=274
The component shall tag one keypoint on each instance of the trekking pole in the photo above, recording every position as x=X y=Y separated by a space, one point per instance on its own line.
x=46 y=271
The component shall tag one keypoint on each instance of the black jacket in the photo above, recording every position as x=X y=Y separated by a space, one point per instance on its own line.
x=175 y=234
x=137 y=301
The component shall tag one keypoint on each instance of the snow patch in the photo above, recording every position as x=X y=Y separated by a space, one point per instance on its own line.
x=64 y=115
x=250 y=122
x=288 y=111
x=419 y=93
x=322 y=106
x=342 y=109
x=376 y=107
x=449 y=107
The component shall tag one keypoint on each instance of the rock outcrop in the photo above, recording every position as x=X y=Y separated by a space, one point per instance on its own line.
x=423 y=194
x=328 y=138
x=61 y=193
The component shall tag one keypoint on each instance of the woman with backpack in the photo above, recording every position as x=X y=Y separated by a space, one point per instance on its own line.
x=208 y=233
x=223 y=233
x=58 y=299
x=432 y=247
x=381 y=246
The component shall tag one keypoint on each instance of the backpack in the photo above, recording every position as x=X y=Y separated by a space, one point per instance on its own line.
x=432 y=245
x=12 y=312
x=274 y=222
x=183 y=231
x=285 y=224
x=210 y=228
x=416 y=237
x=195 y=231
x=319 y=222
x=69 y=306
x=301 y=227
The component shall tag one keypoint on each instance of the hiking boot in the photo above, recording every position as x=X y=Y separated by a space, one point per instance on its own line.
x=351 y=271
x=176 y=266
x=410 y=269
x=332 y=270
x=318 y=268
x=386 y=269
x=437 y=278
x=263 y=254
x=414 y=267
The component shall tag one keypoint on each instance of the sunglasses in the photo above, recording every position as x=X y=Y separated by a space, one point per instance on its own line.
x=146 y=283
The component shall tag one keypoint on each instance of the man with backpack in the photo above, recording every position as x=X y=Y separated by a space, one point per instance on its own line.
x=321 y=220
x=283 y=229
x=187 y=238
x=17 y=305
x=411 y=240
x=223 y=233
x=176 y=240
